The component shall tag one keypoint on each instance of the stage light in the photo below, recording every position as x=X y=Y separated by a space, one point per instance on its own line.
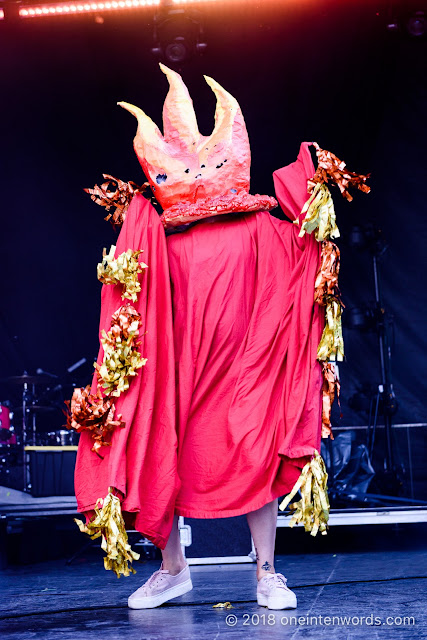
x=67 y=8
x=192 y=1
x=177 y=51
x=201 y=47
x=369 y=237
x=392 y=25
x=416 y=24
x=177 y=35
x=361 y=318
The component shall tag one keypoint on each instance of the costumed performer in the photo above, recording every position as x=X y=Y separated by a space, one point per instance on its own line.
x=208 y=392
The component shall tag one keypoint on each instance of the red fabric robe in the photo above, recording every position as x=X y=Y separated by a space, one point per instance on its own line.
x=227 y=410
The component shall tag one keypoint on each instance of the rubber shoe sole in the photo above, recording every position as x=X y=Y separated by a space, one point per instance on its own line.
x=150 y=602
x=288 y=601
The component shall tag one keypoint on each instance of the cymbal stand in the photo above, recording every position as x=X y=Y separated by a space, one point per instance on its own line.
x=26 y=398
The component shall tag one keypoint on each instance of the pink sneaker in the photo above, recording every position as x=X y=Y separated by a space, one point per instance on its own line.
x=161 y=587
x=273 y=593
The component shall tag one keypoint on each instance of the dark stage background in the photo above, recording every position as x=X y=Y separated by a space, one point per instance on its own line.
x=326 y=71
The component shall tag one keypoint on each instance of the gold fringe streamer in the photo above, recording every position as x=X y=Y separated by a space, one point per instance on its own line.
x=320 y=215
x=330 y=388
x=313 y=508
x=108 y=522
x=124 y=269
x=121 y=361
x=331 y=346
x=332 y=168
x=93 y=413
x=327 y=293
x=326 y=283
x=121 y=358
x=115 y=195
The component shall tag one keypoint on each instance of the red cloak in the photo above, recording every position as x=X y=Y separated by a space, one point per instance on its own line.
x=227 y=410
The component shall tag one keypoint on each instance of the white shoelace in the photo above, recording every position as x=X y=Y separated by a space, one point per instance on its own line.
x=277 y=579
x=156 y=577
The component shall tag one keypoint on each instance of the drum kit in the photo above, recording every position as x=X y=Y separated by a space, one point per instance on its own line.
x=28 y=422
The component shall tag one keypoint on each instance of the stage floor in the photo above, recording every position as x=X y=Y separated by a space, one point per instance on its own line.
x=83 y=601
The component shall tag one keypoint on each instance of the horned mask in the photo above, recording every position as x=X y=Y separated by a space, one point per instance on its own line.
x=188 y=171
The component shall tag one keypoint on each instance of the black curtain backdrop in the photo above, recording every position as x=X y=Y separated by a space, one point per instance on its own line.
x=324 y=71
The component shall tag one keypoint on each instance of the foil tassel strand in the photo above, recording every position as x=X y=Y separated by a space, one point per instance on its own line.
x=331 y=346
x=93 y=413
x=108 y=522
x=326 y=284
x=327 y=294
x=331 y=168
x=121 y=359
x=313 y=509
x=124 y=270
x=115 y=196
x=330 y=390
x=320 y=215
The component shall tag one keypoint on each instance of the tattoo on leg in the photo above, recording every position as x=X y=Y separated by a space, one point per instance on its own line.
x=266 y=566
x=256 y=554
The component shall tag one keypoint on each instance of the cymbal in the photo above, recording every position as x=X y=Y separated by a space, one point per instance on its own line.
x=27 y=379
x=35 y=407
x=39 y=407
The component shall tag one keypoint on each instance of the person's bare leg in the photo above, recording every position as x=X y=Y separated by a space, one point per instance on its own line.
x=263 y=524
x=173 y=558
